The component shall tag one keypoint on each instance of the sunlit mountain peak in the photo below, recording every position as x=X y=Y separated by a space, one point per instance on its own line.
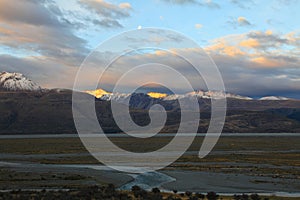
x=157 y=95
x=97 y=93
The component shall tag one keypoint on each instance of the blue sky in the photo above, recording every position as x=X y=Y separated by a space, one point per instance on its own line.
x=254 y=43
x=278 y=15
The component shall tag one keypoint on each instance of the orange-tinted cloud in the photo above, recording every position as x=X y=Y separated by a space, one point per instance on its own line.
x=198 y=26
x=250 y=43
x=262 y=49
x=266 y=62
x=269 y=32
x=242 y=21
x=125 y=5
x=4 y=31
x=161 y=53
x=223 y=48
x=106 y=9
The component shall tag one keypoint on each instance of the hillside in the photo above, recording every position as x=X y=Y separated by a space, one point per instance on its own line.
x=50 y=111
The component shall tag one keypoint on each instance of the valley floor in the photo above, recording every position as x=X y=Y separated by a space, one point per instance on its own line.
x=267 y=164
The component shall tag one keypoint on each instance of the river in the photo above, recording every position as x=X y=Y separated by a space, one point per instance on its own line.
x=176 y=179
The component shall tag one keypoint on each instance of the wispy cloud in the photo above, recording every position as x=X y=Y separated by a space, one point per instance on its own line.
x=245 y=4
x=239 y=22
x=107 y=14
x=242 y=21
x=28 y=12
x=181 y=1
x=205 y=3
x=198 y=26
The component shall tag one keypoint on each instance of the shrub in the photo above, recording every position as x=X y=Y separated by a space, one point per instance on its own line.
x=200 y=196
x=155 y=190
x=212 y=196
x=254 y=197
x=188 y=193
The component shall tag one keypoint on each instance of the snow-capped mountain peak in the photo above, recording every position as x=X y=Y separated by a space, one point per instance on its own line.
x=201 y=94
x=17 y=82
x=103 y=95
x=98 y=93
x=208 y=95
x=273 y=98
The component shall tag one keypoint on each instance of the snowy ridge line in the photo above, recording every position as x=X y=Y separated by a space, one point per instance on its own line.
x=17 y=82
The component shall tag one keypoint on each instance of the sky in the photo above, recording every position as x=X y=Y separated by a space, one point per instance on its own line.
x=254 y=43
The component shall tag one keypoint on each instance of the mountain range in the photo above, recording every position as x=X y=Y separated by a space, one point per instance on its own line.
x=105 y=95
x=27 y=108
x=18 y=82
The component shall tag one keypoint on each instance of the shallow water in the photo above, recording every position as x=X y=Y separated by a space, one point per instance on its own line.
x=176 y=179
x=148 y=180
x=183 y=180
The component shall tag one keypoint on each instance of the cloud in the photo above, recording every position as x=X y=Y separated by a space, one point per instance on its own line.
x=223 y=47
x=246 y=73
x=46 y=45
x=245 y=4
x=198 y=26
x=247 y=65
x=204 y=3
x=41 y=41
x=268 y=39
x=41 y=70
x=242 y=21
x=261 y=56
x=107 y=10
x=252 y=78
x=287 y=2
x=101 y=13
x=266 y=62
x=266 y=42
x=54 y=43
x=38 y=28
x=181 y=1
x=250 y=43
x=44 y=39
x=27 y=11
x=239 y=22
x=125 y=5
x=159 y=37
x=107 y=23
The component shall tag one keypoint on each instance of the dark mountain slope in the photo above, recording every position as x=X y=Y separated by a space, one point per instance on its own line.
x=50 y=111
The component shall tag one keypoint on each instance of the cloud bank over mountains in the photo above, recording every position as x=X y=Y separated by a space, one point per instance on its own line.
x=47 y=40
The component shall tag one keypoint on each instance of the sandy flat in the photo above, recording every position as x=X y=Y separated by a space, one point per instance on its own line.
x=228 y=183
